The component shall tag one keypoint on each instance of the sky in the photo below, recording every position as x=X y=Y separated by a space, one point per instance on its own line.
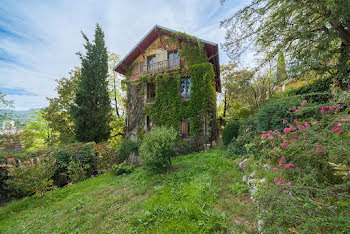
x=39 y=39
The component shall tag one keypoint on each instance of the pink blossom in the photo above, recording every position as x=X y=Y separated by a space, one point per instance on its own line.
x=264 y=136
x=306 y=124
x=287 y=130
x=275 y=169
x=283 y=144
x=276 y=179
x=289 y=165
x=285 y=121
x=296 y=136
x=303 y=103
x=291 y=184
x=280 y=162
x=271 y=138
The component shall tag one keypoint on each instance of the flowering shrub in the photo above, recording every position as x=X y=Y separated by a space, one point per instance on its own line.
x=30 y=176
x=310 y=159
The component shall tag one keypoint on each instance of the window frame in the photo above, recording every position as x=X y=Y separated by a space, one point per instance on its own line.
x=174 y=61
x=151 y=63
x=187 y=88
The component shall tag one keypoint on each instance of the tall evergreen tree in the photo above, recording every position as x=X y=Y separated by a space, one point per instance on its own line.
x=281 y=73
x=91 y=110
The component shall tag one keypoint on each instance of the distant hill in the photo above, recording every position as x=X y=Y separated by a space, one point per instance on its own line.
x=20 y=116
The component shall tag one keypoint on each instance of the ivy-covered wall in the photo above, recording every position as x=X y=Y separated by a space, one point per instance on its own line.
x=168 y=107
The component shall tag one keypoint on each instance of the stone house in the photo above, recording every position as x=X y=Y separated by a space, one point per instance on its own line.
x=172 y=79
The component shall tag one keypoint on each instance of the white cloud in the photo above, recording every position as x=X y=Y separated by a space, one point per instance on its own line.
x=50 y=35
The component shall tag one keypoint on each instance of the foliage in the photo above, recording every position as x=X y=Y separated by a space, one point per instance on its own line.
x=230 y=131
x=30 y=176
x=281 y=73
x=4 y=104
x=244 y=89
x=273 y=112
x=91 y=110
x=188 y=146
x=77 y=171
x=203 y=97
x=37 y=134
x=117 y=131
x=308 y=194
x=168 y=108
x=314 y=35
x=157 y=147
x=122 y=169
x=107 y=157
x=57 y=114
x=194 y=54
x=80 y=154
x=196 y=197
x=321 y=85
x=116 y=88
x=126 y=148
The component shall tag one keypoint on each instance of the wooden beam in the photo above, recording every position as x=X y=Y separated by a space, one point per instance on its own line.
x=142 y=52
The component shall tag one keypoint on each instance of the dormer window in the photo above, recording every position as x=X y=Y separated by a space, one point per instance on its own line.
x=173 y=59
x=151 y=63
x=185 y=87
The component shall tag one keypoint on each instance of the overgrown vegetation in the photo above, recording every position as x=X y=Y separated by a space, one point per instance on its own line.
x=204 y=193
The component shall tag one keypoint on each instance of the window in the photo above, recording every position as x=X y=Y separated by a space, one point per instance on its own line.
x=151 y=92
x=149 y=123
x=185 y=128
x=185 y=88
x=151 y=63
x=173 y=59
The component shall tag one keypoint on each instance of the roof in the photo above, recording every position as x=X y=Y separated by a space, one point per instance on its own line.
x=211 y=48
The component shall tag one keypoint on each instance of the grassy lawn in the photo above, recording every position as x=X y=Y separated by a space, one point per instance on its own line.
x=202 y=193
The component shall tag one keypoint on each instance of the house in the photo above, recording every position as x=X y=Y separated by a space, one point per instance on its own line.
x=172 y=79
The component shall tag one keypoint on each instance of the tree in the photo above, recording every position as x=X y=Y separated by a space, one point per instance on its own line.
x=116 y=90
x=37 y=134
x=314 y=34
x=91 y=110
x=57 y=114
x=281 y=73
x=244 y=90
x=4 y=106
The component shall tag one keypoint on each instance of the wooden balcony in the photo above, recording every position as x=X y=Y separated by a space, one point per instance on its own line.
x=161 y=66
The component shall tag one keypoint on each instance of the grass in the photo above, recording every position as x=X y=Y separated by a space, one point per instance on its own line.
x=202 y=193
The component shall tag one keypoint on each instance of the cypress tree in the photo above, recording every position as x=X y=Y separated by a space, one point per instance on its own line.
x=281 y=69
x=91 y=110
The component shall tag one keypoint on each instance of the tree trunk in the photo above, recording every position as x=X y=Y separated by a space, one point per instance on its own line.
x=115 y=98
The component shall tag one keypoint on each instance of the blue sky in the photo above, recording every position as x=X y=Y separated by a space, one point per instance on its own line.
x=39 y=39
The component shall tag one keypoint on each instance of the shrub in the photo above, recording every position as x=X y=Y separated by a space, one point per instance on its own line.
x=31 y=176
x=77 y=171
x=230 y=131
x=322 y=85
x=310 y=160
x=271 y=115
x=106 y=157
x=188 y=146
x=127 y=147
x=157 y=148
x=77 y=153
x=123 y=168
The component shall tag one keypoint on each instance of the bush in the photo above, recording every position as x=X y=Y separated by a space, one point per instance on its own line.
x=322 y=85
x=230 y=131
x=123 y=168
x=106 y=157
x=84 y=154
x=31 y=176
x=127 y=147
x=309 y=193
x=157 y=148
x=271 y=115
x=188 y=146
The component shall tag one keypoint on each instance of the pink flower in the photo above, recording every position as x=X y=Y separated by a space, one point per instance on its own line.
x=320 y=153
x=283 y=144
x=276 y=179
x=291 y=184
x=287 y=130
x=271 y=138
x=296 y=136
x=264 y=136
x=275 y=169
x=324 y=109
x=289 y=166
x=306 y=124
x=303 y=103
x=285 y=121
x=280 y=162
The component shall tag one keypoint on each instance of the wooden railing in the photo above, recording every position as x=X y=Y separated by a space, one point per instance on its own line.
x=166 y=65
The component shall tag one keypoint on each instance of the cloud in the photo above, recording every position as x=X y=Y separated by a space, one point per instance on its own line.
x=39 y=39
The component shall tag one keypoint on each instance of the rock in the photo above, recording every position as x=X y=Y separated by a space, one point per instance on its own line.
x=242 y=164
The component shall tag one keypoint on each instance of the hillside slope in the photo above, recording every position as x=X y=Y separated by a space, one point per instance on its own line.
x=203 y=193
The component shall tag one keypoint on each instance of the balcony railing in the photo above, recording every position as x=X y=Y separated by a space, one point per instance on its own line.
x=166 y=65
